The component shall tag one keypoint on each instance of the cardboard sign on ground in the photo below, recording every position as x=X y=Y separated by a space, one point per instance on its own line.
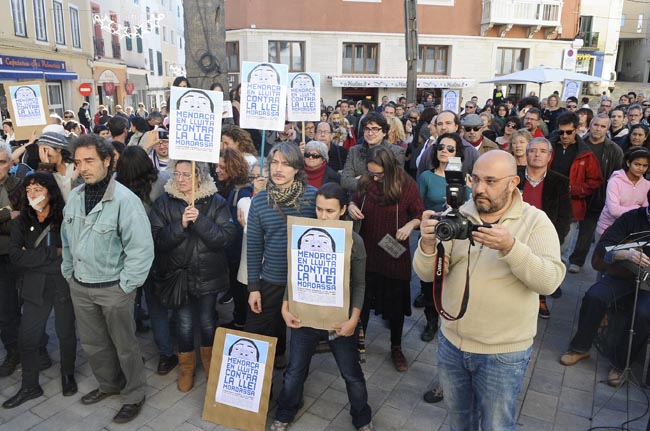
x=319 y=254
x=27 y=103
x=239 y=387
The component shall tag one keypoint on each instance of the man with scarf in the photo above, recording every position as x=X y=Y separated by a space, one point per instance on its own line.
x=286 y=194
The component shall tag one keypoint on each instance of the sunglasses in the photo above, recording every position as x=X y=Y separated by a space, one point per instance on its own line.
x=565 y=132
x=67 y=117
x=571 y=106
x=413 y=118
x=475 y=128
x=511 y=125
x=468 y=107
x=449 y=148
x=378 y=175
x=313 y=156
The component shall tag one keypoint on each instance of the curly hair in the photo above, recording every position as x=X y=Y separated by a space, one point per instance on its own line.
x=45 y=179
x=235 y=166
x=241 y=137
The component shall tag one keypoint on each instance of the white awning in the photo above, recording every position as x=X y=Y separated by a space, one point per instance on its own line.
x=375 y=81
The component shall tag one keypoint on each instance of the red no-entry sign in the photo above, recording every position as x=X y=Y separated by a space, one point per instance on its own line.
x=85 y=89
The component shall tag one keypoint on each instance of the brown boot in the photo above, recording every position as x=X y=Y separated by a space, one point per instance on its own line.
x=206 y=358
x=187 y=364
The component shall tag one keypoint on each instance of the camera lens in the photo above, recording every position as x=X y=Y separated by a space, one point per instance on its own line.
x=445 y=231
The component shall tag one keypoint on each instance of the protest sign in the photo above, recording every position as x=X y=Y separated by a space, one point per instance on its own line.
x=27 y=107
x=451 y=100
x=319 y=266
x=304 y=97
x=227 y=109
x=571 y=88
x=239 y=386
x=263 y=96
x=195 y=124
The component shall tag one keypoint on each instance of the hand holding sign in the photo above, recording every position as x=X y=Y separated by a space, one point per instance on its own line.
x=291 y=320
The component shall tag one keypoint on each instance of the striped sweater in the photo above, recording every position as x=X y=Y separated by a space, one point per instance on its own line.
x=266 y=240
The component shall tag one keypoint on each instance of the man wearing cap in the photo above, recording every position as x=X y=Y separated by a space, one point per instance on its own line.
x=473 y=127
x=55 y=157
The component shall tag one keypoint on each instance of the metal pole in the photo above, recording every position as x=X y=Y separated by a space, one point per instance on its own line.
x=411 y=38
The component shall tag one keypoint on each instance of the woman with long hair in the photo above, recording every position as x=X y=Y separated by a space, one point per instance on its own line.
x=239 y=139
x=500 y=115
x=638 y=136
x=233 y=184
x=512 y=124
x=396 y=134
x=585 y=115
x=35 y=249
x=389 y=207
x=191 y=228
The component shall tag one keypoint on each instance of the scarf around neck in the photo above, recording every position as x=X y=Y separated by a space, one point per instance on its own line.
x=315 y=176
x=289 y=197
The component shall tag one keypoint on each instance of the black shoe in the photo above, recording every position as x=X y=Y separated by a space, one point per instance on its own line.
x=429 y=332
x=69 y=385
x=419 y=301
x=11 y=362
x=23 y=395
x=128 y=412
x=44 y=360
x=95 y=396
x=557 y=293
x=140 y=326
x=166 y=364
x=435 y=395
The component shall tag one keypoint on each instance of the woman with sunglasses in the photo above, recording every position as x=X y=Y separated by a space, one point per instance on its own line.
x=389 y=206
x=316 y=168
x=511 y=124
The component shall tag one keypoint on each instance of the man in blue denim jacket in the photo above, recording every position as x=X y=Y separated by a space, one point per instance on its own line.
x=107 y=253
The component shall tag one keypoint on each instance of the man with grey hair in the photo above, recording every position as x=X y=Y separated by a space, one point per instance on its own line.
x=634 y=115
x=287 y=193
x=317 y=166
x=337 y=154
x=9 y=302
x=548 y=191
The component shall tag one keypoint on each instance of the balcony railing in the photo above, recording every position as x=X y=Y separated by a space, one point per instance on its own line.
x=117 y=49
x=99 y=47
x=545 y=13
x=589 y=38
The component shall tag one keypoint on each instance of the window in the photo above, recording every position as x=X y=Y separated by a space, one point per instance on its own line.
x=289 y=53
x=18 y=13
x=75 y=32
x=178 y=11
x=509 y=60
x=150 y=61
x=148 y=10
x=167 y=68
x=59 y=25
x=40 y=20
x=622 y=20
x=55 y=97
x=157 y=28
x=138 y=40
x=432 y=60
x=172 y=37
x=232 y=54
x=360 y=57
x=164 y=34
x=180 y=43
x=639 y=24
x=128 y=40
x=160 y=63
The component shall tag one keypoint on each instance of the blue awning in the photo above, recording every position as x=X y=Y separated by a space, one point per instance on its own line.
x=7 y=73
x=61 y=76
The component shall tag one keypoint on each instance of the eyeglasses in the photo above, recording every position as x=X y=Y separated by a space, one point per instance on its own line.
x=511 y=125
x=475 y=128
x=469 y=107
x=449 y=148
x=489 y=181
x=378 y=175
x=372 y=129
x=413 y=118
x=565 y=132
x=322 y=132
x=184 y=175
x=645 y=105
x=68 y=117
x=312 y=156
x=571 y=106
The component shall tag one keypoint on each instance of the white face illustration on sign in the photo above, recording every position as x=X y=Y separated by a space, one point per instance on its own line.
x=244 y=349
x=264 y=74
x=196 y=102
x=316 y=240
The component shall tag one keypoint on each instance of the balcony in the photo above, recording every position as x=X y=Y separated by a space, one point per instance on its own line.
x=99 y=47
x=534 y=14
x=117 y=49
x=589 y=38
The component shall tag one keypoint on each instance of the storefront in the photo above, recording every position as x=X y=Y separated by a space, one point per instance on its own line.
x=136 y=87
x=110 y=82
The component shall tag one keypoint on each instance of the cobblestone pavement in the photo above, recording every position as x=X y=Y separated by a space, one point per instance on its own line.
x=554 y=397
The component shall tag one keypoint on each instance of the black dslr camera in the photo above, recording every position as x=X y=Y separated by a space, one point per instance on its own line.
x=454 y=225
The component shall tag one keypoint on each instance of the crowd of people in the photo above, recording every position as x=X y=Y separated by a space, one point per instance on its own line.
x=96 y=222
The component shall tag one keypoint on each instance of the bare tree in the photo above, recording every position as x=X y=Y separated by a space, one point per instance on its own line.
x=205 y=43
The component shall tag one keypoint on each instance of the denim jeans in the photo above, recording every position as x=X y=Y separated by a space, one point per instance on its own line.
x=203 y=308
x=303 y=344
x=586 y=229
x=566 y=249
x=605 y=293
x=481 y=388
x=159 y=317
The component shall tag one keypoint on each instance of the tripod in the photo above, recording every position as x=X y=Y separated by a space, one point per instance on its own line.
x=639 y=240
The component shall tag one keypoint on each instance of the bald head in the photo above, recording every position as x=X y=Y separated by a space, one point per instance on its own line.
x=500 y=163
x=494 y=179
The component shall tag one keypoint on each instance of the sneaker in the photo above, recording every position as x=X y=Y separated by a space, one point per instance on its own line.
x=278 y=426
x=433 y=396
x=419 y=301
x=543 y=309
x=557 y=293
x=399 y=360
x=367 y=427
x=574 y=269
x=571 y=358
x=615 y=377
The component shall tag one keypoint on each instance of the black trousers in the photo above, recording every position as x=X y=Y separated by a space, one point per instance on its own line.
x=9 y=305
x=34 y=320
x=269 y=322
x=586 y=229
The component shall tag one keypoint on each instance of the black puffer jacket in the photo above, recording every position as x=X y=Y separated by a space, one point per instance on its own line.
x=208 y=237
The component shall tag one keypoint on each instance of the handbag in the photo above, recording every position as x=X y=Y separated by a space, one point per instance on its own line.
x=172 y=288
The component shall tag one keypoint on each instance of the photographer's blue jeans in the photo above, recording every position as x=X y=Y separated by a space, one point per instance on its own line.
x=303 y=345
x=203 y=308
x=159 y=317
x=480 y=388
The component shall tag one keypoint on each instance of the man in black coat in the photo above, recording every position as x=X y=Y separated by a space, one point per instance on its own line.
x=546 y=190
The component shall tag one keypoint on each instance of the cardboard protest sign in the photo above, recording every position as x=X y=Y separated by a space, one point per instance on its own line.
x=571 y=88
x=263 y=101
x=195 y=124
x=27 y=107
x=451 y=100
x=239 y=386
x=304 y=97
x=319 y=266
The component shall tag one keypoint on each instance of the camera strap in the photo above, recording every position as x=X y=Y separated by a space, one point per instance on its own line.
x=438 y=282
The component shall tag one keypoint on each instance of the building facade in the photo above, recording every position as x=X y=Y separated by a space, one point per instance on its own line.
x=358 y=46
x=634 y=46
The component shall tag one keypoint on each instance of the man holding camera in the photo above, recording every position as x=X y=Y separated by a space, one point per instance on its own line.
x=483 y=353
